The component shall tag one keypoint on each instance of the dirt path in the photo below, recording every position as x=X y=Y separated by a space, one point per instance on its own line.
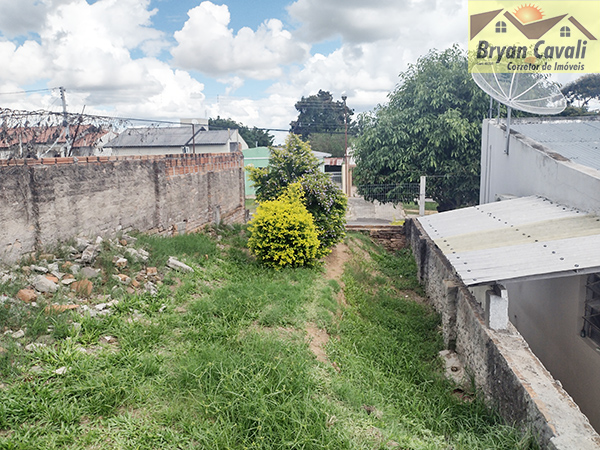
x=334 y=269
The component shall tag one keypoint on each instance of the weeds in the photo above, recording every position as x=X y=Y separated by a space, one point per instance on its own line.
x=219 y=358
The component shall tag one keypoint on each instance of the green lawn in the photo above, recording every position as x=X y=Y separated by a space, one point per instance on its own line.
x=220 y=359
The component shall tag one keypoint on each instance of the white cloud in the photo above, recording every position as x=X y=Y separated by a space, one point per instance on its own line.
x=207 y=45
x=380 y=38
x=363 y=22
x=90 y=50
x=23 y=17
x=87 y=49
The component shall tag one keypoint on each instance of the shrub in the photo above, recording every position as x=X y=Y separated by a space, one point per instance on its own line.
x=324 y=200
x=327 y=203
x=283 y=232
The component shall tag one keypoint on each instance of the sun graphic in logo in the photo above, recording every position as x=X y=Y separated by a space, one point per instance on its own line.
x=528 y=13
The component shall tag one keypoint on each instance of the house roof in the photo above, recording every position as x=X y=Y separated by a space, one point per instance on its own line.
x=213 y=137
x=169 y=137
x=577 y=139
x=529 y=237
x=153 y=137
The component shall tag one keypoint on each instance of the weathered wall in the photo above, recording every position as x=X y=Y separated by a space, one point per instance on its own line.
x=501 y=363
x=531 y=169
x=548 y=314
x=53 y=199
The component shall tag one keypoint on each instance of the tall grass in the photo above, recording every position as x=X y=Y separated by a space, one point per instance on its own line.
x=219 y=359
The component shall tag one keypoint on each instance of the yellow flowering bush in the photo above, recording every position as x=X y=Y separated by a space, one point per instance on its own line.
x=283 y=232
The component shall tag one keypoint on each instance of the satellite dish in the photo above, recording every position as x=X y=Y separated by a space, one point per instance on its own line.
x=530 y=92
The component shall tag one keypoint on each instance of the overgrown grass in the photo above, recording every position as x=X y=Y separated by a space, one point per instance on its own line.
x=219 y=359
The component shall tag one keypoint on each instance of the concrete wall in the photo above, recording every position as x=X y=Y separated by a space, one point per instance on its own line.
x=531 y=169
x=46 y=201
x=548 y=314
x=502 y=365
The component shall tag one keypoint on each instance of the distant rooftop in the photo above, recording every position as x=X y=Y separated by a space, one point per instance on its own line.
x=575 y=138
x=168 y=137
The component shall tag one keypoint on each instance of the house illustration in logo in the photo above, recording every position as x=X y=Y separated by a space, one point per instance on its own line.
x=528 y=20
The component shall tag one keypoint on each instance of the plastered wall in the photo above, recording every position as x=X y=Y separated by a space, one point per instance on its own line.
x=46 y=201
x=503 y=367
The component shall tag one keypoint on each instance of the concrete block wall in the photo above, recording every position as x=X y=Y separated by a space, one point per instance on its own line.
x=46 y=201
x=500 y=363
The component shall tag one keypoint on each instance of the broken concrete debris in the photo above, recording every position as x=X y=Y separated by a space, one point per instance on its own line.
x=44 y=285
x=178 y=265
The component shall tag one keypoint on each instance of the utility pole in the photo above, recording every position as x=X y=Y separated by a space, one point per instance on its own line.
x=66 y=149
x=346 y=161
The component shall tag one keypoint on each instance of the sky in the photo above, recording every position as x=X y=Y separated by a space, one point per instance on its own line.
x=250 y=61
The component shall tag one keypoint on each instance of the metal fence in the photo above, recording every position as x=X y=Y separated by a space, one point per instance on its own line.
x=390 y=193
x=396 y=193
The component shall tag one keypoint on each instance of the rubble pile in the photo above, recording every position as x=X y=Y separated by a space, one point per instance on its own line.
x=88 y=277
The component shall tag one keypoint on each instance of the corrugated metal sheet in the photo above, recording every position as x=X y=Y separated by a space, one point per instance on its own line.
x=212 y=137
x=575 y=139
x=525 y=237
x=168 y=137
x=153 y=137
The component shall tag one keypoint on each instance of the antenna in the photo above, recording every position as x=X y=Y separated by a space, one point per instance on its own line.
x=530 y=92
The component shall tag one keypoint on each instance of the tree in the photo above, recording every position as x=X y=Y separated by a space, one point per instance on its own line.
x=295 y=162
x=334 y=144
x=252 y=136
x=320 y=114
x=582 y=90
x=431 y=126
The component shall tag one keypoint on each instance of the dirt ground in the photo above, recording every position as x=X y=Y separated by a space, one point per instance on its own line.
x=334 y=268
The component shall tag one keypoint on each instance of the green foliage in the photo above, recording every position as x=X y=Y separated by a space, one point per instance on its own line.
x=296 y=163
x=582 y=90
x=252 y=136
x=431 y=126
x=334 y=144
x=283 y=232
x=320 y=114
x=327 y=204
x=286 y=165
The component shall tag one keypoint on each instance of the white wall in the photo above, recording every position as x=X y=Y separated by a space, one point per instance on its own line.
x=548 y=314
x=532 y=171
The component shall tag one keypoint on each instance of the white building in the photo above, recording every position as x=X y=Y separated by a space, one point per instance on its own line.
x=534 y=258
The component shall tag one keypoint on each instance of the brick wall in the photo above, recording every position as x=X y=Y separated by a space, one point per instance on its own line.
x=49 y=200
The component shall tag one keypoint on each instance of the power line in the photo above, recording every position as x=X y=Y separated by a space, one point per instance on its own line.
x=27 y=92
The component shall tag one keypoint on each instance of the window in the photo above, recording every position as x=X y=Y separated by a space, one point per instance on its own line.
x=565 y=32
x=591 y=317
x=500 y=27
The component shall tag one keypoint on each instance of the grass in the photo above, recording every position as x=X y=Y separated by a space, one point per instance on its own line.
x=412 y=206
x=219 y=359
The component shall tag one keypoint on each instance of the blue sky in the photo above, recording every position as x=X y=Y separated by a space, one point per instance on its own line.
x=247 y=60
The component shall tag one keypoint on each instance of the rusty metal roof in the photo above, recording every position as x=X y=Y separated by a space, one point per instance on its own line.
x=528 y=237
